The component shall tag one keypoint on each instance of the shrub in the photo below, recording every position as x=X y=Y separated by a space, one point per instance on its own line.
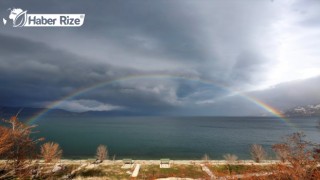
x=257 y=153
x=102 y=153
x=205 y=158
x=230 y=158
x=51 y=152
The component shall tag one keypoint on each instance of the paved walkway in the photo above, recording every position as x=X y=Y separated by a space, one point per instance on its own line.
x=136 y=171
x=207 y=170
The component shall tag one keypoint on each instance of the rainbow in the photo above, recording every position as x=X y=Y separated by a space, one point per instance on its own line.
x=81 y=91
x=271 y=110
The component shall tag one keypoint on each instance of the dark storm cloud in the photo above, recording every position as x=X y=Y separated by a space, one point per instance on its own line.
x=32 y=59
x=166 y=33
x=215 y=47
x=31 y=71
x=130 y=24
x=34 y=73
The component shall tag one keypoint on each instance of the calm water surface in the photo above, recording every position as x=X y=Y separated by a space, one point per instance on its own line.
x=169 y=137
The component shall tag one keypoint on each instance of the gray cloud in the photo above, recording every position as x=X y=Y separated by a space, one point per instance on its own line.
x=248 y=68
x=40 y=74
x=183 y=57
x=291 y=94
x=83 y=105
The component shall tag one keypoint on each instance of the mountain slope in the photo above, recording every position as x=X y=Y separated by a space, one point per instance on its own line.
x=308 y=110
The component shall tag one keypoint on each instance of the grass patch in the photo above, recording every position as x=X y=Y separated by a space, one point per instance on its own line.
x=222 y=170
x=92 y=172
x=99 y=172
x=105 y=171
x=115 y=172
x=182 y=171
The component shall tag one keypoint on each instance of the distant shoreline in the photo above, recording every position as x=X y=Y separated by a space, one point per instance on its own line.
x=215 y=162
x=156 y=162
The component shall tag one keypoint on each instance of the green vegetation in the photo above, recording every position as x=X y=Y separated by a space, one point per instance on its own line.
x=182 y=171
x=110 y=171
x=223 y=170
x=92 y=173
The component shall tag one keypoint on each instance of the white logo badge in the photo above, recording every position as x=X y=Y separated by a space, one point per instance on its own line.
x=21 y=18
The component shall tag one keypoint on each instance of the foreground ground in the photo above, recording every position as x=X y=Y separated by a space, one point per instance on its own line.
x=150 y=169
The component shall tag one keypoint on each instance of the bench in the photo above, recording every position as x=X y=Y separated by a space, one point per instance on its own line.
x=128 y=163
x=164 y=163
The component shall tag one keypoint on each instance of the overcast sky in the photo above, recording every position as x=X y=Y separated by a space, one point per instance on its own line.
x=173 y=57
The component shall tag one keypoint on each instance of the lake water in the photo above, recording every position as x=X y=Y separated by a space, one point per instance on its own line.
x=169 y=137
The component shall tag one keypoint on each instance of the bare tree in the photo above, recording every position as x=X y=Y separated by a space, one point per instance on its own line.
x=102 y=153
x=257 y=153
x=6 y=143
x=299 y=154
x=51 y=152
x=230 y=158
x=206 y=158
x=17 y=147
x=281 y=151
